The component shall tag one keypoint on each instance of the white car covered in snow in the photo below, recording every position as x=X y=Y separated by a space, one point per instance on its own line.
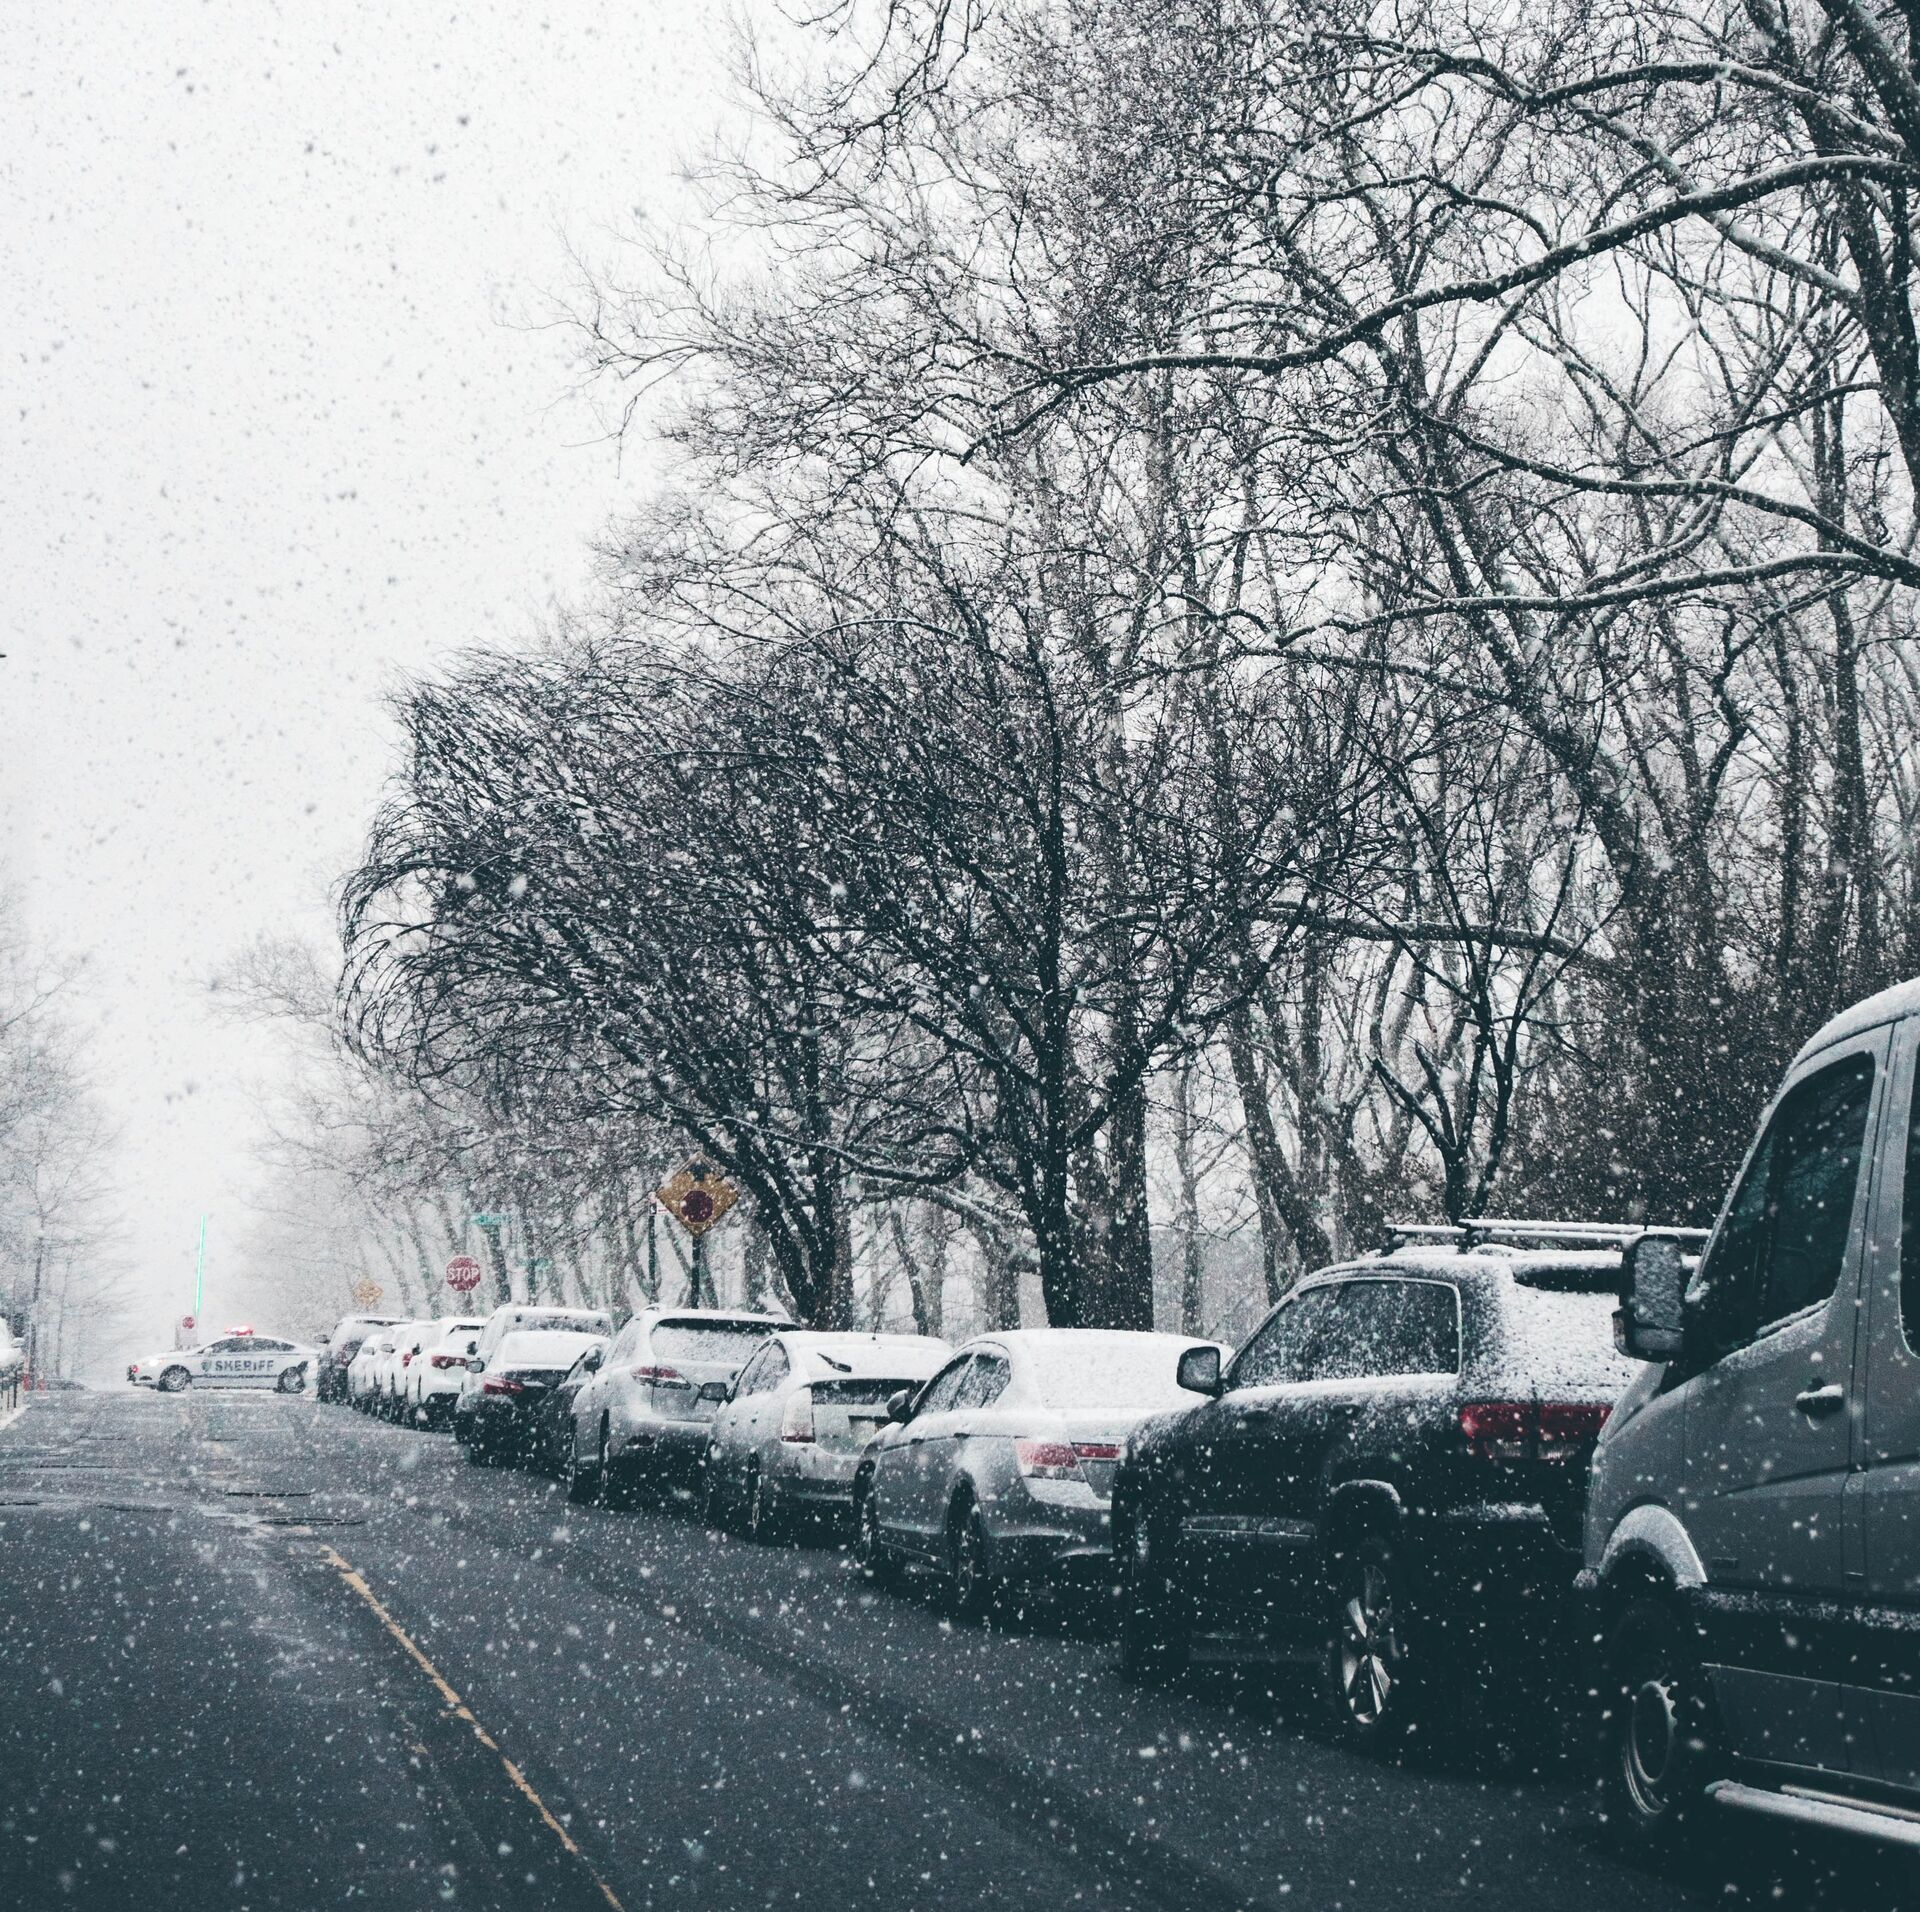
x=431 y=1383
x=241 y=1359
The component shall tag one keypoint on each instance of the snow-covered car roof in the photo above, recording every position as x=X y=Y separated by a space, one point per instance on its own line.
x=821 y=1354
x=532 y=1317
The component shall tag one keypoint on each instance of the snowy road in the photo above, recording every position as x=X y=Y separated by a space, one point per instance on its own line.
x=254 y=1653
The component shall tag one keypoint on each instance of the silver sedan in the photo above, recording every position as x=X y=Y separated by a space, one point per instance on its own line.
x=791 y=1429
x=1000 y=1468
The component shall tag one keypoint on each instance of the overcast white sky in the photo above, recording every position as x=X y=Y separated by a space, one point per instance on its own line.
x=272 y=440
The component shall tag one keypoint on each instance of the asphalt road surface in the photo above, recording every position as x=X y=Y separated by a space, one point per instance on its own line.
x=255 y=1653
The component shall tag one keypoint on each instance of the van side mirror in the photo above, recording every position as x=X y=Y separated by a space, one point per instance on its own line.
x=1199 y=1371
x=900 y=1404
x=1650 y=1323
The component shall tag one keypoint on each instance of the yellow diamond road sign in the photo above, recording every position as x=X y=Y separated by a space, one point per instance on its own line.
x=697 y=1196
x=366 y=1294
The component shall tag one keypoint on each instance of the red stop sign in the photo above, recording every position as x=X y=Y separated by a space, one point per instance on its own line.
x=463 y=1274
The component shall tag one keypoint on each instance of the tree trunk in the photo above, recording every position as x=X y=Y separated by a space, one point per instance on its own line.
x=1187 y=1228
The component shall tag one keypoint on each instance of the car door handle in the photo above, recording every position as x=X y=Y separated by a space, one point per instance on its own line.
x=1818 y=1402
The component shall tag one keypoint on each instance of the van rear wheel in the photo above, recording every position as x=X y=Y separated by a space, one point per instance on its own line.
x=1662 y=1740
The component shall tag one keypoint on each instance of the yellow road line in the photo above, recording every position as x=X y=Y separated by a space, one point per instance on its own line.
x=460 y=1710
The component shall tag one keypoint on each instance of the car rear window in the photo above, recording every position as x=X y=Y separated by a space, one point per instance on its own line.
x=727 y=1341
x=544 y=1349
x=563 y=1324
x=868 y=1391
x=1116 y=1373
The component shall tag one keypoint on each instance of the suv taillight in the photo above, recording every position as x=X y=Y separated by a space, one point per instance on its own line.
x=1568 y=1429
x=660 y=1377
x=1528 y=1430
x=502 y=1384
x=796 y=1424
x=445 y=1361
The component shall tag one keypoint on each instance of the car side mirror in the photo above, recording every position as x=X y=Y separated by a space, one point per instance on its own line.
x=900 y=1405
x=475 y=1365
x=1650 y=1323
x=1199 y=1371
x=594 y=1357
x=714 y=1391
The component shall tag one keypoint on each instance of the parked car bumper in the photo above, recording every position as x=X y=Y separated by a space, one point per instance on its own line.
x=812 y=1480
x=1067 y=1538
x=661 y=1452
x=502 y=1425
x=1501 y=1575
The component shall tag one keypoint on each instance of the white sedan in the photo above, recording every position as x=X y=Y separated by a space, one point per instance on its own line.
x=234 y=1361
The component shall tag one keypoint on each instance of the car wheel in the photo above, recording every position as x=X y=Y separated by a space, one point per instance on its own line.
x=173 y=1380
x=1662 y=1741
x=1150 y=1629
x=614 y=1492
x=1369 y=1688
x=763 y=1510
x=582 y=1482
x=713 y=1497
x=871 y=1553
x=969 y=1588
x=294 y=1381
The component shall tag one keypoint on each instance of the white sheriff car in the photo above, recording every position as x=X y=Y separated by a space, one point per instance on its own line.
x=241 y=1359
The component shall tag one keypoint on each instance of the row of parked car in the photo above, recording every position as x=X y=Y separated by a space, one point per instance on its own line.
x=1436 y=1474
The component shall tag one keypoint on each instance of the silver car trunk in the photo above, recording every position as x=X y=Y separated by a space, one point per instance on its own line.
x=1098 y=1429
x=848 y=1414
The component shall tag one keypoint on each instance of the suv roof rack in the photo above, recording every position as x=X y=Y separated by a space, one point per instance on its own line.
x=1472 y=1234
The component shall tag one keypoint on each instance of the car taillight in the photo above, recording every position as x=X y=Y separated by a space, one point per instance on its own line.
x=660 y=1377
x=406 y=1360
x=1497 y=1430
x=1568 y=1429
x=796 y=1424
x=1047 y=1460
x=1526 y=1430
x=502 y=1384
x=1097 y=1450
x=444 y=1361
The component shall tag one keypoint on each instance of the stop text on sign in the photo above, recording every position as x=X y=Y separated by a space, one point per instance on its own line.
x=463 y=1274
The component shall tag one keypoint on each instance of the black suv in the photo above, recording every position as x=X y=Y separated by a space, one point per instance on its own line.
x=1390 y=1477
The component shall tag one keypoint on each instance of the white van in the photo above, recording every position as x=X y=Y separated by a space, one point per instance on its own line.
x=1753 y=1527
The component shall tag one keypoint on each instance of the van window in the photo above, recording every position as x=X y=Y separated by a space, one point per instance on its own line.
x=1781 y=1247
x=1910 y=1228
